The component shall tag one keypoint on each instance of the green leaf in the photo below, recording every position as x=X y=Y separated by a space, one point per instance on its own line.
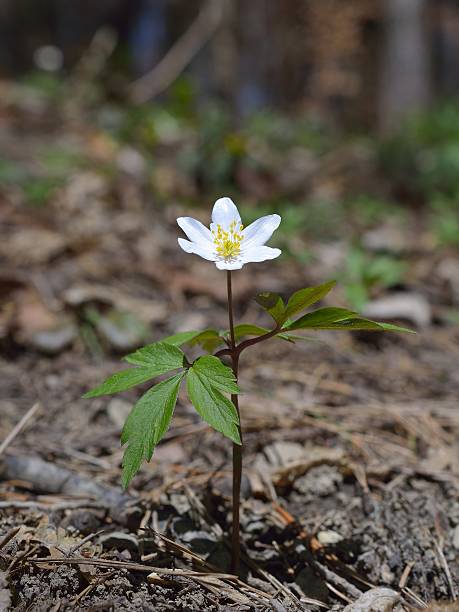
x=360 y=323
x=210 y=403
x=147 y=423
x=181 y=338
x=356 y=323
x=217 y=374
x=321 y=317
x=396 y=328
x=121 y=381
x=160 y=355
x=306 y=297
x=353 y=323
x=247 y=329
x=273 y=304
x=209 y=339
x=296 y=338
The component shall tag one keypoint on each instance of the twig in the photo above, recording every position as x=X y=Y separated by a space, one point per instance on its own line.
x=46 y=476
x=204 y=578
x=407 y=592
x=92 y=586
x=446 y=569
x=180 y=55
x=25 y=505
x=334 y=590
x=333 y=580
x=405 y=574
x=86 y=539
x=283 y=589
x=19 y=427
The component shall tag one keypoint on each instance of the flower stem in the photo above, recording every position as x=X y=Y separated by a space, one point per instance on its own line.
x=229 y=291
x=237 y=449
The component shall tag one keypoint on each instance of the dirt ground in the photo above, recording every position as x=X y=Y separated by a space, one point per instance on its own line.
x=351 y=483
x=351 y=441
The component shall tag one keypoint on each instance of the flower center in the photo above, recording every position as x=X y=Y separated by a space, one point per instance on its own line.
x=228 y=244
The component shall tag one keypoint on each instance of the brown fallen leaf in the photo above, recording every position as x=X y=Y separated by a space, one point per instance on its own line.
x=31 y=245
x=313 y=457
x=148 y=311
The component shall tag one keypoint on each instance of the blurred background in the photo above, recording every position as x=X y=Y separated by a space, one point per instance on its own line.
x=115 y=117
x=118 y=116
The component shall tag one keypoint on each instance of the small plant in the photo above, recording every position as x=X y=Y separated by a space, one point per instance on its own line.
x=208 y=380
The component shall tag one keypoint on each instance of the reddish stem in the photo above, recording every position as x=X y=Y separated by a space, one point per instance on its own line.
x=237 y=449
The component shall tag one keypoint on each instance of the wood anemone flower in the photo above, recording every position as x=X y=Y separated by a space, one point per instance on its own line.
x=227 y=242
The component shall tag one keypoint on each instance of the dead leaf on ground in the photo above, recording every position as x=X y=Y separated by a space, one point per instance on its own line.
x=32 y=245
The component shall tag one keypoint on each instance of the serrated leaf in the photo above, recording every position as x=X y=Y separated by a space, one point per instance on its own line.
x=306 y=297
x=212 y=405
x=121 y=381
x=273 y=304
x=147 y=423
x=216 y=373
x=160 y=355
x=320 y=317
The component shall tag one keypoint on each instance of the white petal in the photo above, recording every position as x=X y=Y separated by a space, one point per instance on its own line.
x=195 y=230
x=225 y=212
x=260 y=231
x=229 y=265
x=260 y=253
x=197 y=249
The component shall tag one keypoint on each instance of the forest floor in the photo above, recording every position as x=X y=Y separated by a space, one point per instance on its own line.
x=351 y=440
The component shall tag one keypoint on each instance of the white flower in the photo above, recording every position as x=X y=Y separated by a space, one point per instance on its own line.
x=228 y=243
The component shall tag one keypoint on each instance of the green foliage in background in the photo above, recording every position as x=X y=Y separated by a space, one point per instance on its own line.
x=444 y=219
x=364 y=273
x=423 y=155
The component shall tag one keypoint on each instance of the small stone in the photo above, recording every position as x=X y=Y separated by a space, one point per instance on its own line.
x=386 y=574
x=321 y=481
x=55 y=340
x=329 y=537
x=411 y=307
x=132 y=162
x=180 y=503
x=375 y=600
x=123 y=331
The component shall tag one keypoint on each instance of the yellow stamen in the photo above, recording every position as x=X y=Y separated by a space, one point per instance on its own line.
x=228 y=243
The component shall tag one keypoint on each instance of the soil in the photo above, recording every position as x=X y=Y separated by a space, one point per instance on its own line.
x=351 y=483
